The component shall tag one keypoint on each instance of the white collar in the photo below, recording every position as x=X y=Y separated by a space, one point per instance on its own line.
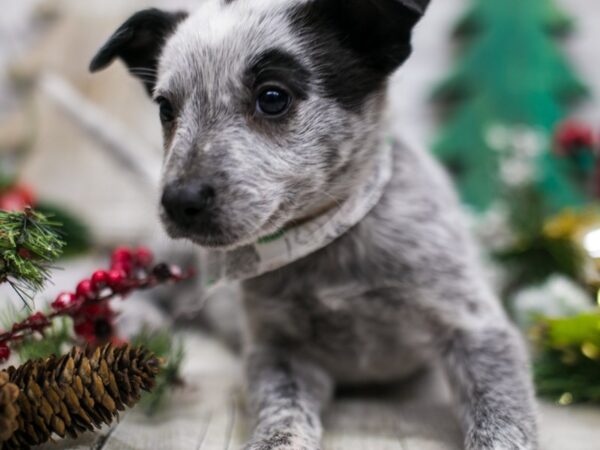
x=296 y=242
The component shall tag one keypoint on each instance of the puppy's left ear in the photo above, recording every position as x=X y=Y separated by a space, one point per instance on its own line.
x=379 y=30
x=138 y=43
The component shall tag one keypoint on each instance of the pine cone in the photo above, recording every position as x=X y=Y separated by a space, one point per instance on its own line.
x=8 y=408
x=75 y=393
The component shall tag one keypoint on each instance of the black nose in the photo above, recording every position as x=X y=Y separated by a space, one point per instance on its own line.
x=185 y=204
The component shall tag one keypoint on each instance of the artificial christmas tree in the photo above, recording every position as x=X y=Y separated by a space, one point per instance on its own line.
x=506 y=95
x=535 y=178
x=552 y=18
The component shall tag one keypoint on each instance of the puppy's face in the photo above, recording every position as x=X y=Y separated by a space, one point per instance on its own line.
x=270 y=108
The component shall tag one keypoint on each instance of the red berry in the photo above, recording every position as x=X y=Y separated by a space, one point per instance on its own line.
x=144 y=257
x=4 y=352
x=64 y=300
x=122 y=254
x=123 y=266
x=25 y=253
x=115 y=279
x=162 y=272
x=10 y=201
x=96 y=310
x=37 y=321
x=85 y=290
x=26 y=194
x=16 y=198
x=85 y=329
x=99 y=280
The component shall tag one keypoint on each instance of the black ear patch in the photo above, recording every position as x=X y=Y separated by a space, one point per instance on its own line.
x=138 y=43
x=379 y=30
x=358 y=43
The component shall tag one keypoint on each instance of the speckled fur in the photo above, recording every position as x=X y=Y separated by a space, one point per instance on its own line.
x=402 y=287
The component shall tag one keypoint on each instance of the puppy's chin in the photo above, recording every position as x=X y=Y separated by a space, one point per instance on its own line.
x=218 y=238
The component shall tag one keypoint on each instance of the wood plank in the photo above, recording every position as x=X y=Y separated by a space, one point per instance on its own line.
x=201 y=415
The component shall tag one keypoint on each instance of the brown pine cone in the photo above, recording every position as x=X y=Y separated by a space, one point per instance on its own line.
x=75 y=393
x=8 y=407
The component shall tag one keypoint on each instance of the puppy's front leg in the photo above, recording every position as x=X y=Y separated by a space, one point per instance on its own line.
x=489 y=370
x=285 y=396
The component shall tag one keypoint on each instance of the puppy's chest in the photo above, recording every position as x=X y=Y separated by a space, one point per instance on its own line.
x=358 y=333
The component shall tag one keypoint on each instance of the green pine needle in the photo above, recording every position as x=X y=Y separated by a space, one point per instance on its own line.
x=171 y=350
x=55 y=341
x=29 y=242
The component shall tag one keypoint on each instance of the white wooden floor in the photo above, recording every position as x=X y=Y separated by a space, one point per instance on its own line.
x=207 y=414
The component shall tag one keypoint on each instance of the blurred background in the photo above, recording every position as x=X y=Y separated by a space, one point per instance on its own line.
x=506 y=94
x=45 y=88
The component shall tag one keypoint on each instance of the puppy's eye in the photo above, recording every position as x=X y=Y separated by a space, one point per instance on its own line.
x=167 y=113
x=273 y=101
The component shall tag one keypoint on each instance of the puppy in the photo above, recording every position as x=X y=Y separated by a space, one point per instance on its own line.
x=274 y=131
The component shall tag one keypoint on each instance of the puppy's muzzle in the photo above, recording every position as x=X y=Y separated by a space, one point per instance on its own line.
x=190 y=204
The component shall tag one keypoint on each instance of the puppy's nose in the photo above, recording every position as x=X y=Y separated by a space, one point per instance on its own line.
x=185 y=204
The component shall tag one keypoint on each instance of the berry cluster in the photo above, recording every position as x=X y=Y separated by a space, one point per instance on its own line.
x=89 y=305
x=573 y=137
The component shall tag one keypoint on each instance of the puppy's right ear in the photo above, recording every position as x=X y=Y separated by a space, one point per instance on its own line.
x=138 y=43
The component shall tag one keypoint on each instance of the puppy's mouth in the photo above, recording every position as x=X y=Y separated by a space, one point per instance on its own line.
x=208 y=234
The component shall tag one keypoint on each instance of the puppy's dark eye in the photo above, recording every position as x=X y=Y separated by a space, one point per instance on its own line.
x=273 y=101
x=167 y=113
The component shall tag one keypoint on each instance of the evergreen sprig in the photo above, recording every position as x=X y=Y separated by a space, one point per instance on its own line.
x=29 y=242
x=171 y=352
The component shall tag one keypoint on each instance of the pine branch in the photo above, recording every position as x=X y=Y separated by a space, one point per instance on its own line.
x=29 y=242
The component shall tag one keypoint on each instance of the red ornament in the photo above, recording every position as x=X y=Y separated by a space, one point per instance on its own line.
x=144 y=257
x=572 y=136
x=4 y=352
x=85 y=290
x=99 y=280
x=64 y=300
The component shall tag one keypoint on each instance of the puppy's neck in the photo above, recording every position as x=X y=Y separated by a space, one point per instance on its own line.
x=330 y=202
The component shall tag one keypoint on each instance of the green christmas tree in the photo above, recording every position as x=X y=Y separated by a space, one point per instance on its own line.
x=554 y=19
x=506 y=95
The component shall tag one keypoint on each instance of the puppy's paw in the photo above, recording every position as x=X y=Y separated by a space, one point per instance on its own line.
x=508 y=438
x=281 y=440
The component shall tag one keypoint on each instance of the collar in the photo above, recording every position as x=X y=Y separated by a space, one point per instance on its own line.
x=302 y=238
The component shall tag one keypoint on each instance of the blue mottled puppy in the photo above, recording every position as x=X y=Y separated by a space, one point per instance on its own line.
x=356 y=266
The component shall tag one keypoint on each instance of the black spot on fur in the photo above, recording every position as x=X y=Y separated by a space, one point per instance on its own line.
x=356 y=44
x=138 y=43
x=276 y=65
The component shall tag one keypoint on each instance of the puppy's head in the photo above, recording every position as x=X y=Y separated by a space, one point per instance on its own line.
x=270 y=108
